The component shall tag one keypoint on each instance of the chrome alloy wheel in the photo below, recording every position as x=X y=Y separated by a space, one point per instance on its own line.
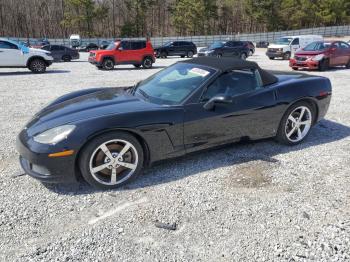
x=298 y=124
x=113 y=162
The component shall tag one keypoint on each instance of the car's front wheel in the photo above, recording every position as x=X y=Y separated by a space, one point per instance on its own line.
x=108 y=64
x=296 y=123
x=111 y=160
x=37 y=66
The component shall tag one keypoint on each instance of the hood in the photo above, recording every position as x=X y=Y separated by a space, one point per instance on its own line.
x=38 y=51
x=309 y=53
x=276 y=46
x=100 y=103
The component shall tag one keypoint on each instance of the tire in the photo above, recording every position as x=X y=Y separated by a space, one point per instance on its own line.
x=291 y=131
x=93 y=156
x=163 y=54
x=348 y=65
x=108 y=64
x=37 y=66
x=323 y=65
x=147 y=63
x=286 y=56
x=190 y=54
x=66 y=58
x=137 y=65
x=243 y=56
x=271 y=58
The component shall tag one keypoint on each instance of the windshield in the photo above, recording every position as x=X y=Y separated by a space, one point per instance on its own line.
x=284 y=41
x=111 y=46
x=173 y=84
x=315 y=46
x=216 y=45
x=168 y=43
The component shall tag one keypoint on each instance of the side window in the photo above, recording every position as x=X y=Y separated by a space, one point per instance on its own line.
x=229 y=44
x=176 y=44
x=233 y=83
x=7 y=45
x=125 y=45
x=295 y=41
x=138 y=45
x=57 y=48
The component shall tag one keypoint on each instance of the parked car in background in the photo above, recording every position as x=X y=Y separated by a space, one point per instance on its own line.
x=14 y=54
x=37 y=43
x=251 y=47
x=138 y=53
x=176 y=48
x=75 y=41
x=104 y=44
x=238 y=49
x=322 y=55
x=110 y=135
x=62 y=53
x=288 y=45
x=262 y=44
x=88 y=47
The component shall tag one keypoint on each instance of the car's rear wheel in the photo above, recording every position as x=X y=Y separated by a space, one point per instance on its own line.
x=296 y=123
x=286 y=56
x=108 y=64
x=348 y=65
x=323 y=65
x=111 y=160
x=37 y=66
x=190 y=54
x=243 y=56
x=66 y=58
x=147 y=63
x=163 y=54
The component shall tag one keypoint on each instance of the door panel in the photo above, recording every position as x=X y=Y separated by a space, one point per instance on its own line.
x=250 y=115
x=10 y=55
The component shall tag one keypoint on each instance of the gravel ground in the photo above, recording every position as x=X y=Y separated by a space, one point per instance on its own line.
x=256 y=201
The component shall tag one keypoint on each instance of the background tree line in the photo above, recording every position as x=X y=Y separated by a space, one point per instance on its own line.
x=120 y=18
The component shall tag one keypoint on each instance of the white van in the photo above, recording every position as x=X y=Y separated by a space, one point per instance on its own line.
x=287 y=45
x=75 y=41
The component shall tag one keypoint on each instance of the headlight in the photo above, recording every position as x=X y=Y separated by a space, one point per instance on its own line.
x=54 y=135
x=318 y=57
x=280 y=49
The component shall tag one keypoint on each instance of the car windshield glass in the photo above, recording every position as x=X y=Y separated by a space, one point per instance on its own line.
x=111 y=46
x=168 y=43
x=316 y=46
x=173 y=84
x=216 y=45
x=284 y=41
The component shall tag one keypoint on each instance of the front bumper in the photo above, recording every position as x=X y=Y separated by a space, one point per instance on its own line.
x=36 y=162
x=275 y=54
x=308 y=64
x=92 y=60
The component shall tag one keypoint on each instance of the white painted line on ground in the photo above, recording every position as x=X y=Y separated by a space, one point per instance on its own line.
x=116 y=210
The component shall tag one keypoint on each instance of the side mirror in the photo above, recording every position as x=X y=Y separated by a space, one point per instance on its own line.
x=218 y=99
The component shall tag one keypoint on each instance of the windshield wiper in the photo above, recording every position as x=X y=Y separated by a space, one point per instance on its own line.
x=143 y=93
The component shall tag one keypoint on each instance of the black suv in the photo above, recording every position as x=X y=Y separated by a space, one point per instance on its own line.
x=176 y=48
x=239 y=49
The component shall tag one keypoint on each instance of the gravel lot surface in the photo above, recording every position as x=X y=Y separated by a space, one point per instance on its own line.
x=256 y=201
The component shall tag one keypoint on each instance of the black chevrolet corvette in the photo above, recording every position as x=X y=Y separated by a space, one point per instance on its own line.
x=110 y=134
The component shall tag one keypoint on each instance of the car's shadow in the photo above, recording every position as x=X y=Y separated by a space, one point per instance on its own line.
x=118 y=68
x=31 y=73
x=175 y=169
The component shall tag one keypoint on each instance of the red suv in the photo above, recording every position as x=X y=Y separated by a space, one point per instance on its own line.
x=124 y=52
x=322 y=55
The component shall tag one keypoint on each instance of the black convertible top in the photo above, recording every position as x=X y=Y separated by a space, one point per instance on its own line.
x=226 y=64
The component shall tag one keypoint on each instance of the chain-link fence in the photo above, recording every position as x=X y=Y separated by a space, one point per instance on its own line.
x=331 y=31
